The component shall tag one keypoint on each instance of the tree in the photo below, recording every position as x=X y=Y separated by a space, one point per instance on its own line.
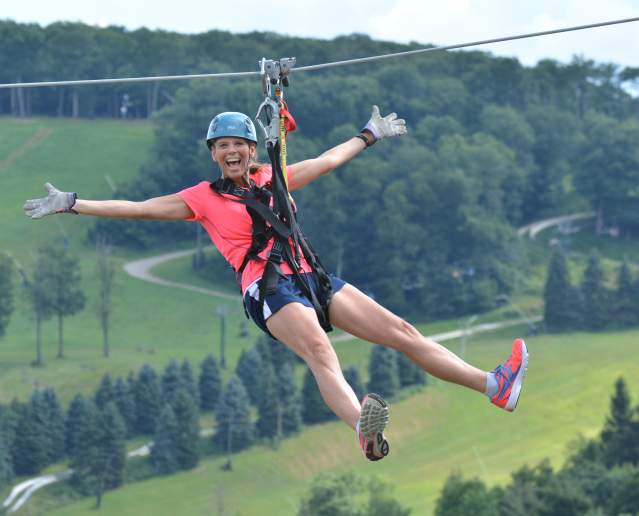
x=290 y=410
x=80 y=422
x=30 y=445
x=620 y=435
x=41 y=299
x=6 y=292
x=351 y=374
x=248 y=369
x=106 y=275
x=409 y=372
x=111 y=449
x=125 y=402
x=187 y=435
x=188 y=381
x=345 y=495
x=210 y=384
x=63 y=274
x=55 y=424
x=171 y=382
x=6 y=466
x=461 y=497
x=595 y=304
x=269 y=421
x=147 y=400
x=163 y=447
x=235 y=430
x=314 y=409
x=105 y=393
x=383 y=372
x=334 y=495
x=626 y=298
x=561 y=301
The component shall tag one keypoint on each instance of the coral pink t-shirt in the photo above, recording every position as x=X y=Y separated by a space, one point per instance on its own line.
x=230 y=226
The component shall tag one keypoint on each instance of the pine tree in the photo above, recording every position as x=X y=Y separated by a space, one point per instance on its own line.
x=163 y=448
x=626 y=305
x=125 y=402
x=268 y=407
x=80 y=411
x=171 y=382
x=111 y=448
x=210 y=384
x=147 y=400
x=595 y=295
x=105 y=393
x=39 y=417
x=619 y=436
x=249 y=368
x=409 y=372
x=289 y=402
x=351 y=374
x=188 y=430
x=188 y=381
x=235 y=429
x=383 y=372
x=6 y=292
x=561 y=300
x=82 y=434
x=55 y=425
x=314 y=410
x=30 y=445
x=6 y=466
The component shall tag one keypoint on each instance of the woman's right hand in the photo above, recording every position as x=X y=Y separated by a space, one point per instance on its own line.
x=55 y=202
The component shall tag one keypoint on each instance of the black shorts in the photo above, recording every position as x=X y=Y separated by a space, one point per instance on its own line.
x=288 y=291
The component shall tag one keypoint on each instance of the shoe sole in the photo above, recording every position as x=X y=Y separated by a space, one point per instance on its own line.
x=373 y=416
x=519 y=379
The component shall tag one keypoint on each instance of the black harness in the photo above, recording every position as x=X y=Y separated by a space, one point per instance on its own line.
x=279 y=223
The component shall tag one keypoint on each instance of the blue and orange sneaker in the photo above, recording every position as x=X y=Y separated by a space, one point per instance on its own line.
x=510 y=377
x=373 y=419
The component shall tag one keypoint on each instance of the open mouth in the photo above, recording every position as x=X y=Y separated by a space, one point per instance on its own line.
x=233 y=162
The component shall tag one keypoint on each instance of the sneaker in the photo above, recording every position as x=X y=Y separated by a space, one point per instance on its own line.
x=510 y=377
x=372 y=421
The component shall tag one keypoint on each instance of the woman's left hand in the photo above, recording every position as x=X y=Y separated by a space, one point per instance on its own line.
x=385 y=127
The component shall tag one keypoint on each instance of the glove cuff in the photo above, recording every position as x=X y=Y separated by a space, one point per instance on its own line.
x=370 y=127
x=72 y=198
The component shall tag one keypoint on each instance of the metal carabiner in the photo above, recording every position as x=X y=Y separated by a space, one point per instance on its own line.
x=270 y=110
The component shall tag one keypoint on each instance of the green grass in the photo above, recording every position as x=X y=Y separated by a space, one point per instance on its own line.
x=441 y=429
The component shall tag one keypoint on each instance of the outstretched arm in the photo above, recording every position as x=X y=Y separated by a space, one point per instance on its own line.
x=378 y=127
x=169 y=207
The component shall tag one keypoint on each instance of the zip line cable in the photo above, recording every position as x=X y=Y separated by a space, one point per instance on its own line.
x=314 y=67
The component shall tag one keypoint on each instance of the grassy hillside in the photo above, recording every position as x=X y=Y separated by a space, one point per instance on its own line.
x=433 y=432
x=151 y=324
x=441 y=429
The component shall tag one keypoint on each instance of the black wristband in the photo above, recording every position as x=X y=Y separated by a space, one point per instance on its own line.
x=364 y=139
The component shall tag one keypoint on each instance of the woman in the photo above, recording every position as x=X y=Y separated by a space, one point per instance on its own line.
x=286 y=312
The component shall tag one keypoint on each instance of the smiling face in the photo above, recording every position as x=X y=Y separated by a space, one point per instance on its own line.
x=233 y=156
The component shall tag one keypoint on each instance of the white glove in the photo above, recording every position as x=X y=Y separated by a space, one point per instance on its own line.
x=385 y=127
x=55 y=202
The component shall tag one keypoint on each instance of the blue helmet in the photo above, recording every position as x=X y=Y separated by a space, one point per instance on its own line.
x=231 y=124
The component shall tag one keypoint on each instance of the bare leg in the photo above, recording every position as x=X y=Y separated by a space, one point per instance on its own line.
x=359 y=315
x=296 y=326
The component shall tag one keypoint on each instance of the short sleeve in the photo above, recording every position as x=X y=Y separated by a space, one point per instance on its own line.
x=195 y=197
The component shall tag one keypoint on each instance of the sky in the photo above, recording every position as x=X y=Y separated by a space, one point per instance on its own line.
x=442 y=22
